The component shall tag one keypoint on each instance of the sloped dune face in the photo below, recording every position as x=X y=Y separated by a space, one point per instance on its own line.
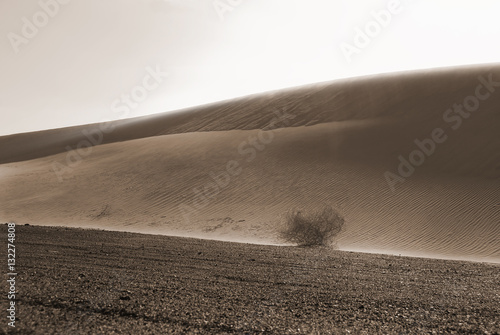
x=411 y=161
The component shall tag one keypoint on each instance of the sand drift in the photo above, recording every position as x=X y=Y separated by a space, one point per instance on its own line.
x=410 y=160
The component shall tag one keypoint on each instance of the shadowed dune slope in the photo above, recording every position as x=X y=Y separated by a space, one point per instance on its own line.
x=335 y=147
x=348 y=99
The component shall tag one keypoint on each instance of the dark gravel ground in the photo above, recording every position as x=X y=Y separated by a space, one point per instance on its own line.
x=75 y=281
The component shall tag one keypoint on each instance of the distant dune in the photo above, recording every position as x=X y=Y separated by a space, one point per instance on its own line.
x=333 y=143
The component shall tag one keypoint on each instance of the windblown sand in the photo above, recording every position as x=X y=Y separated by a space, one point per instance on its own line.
x=334 y=149
x=75 y=281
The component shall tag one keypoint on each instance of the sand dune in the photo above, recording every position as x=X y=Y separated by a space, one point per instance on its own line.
x=330 y=143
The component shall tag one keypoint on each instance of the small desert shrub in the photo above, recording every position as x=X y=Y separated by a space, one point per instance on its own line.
x=312 y=229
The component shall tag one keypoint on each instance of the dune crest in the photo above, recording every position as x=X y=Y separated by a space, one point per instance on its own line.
x=214 y=173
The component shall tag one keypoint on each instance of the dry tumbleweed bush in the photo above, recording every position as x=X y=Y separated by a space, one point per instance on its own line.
x=312 y=229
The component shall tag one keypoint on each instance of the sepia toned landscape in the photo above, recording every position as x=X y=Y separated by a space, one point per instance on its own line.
x=230 y=171
x=409 y=160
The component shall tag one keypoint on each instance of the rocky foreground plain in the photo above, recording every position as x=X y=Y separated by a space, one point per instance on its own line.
x=80 y=281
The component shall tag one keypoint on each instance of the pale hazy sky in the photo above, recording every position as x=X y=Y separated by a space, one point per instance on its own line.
x=84 y=57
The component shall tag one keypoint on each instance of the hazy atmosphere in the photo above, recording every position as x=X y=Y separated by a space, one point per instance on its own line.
x=249 y=167
x=73 y=64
